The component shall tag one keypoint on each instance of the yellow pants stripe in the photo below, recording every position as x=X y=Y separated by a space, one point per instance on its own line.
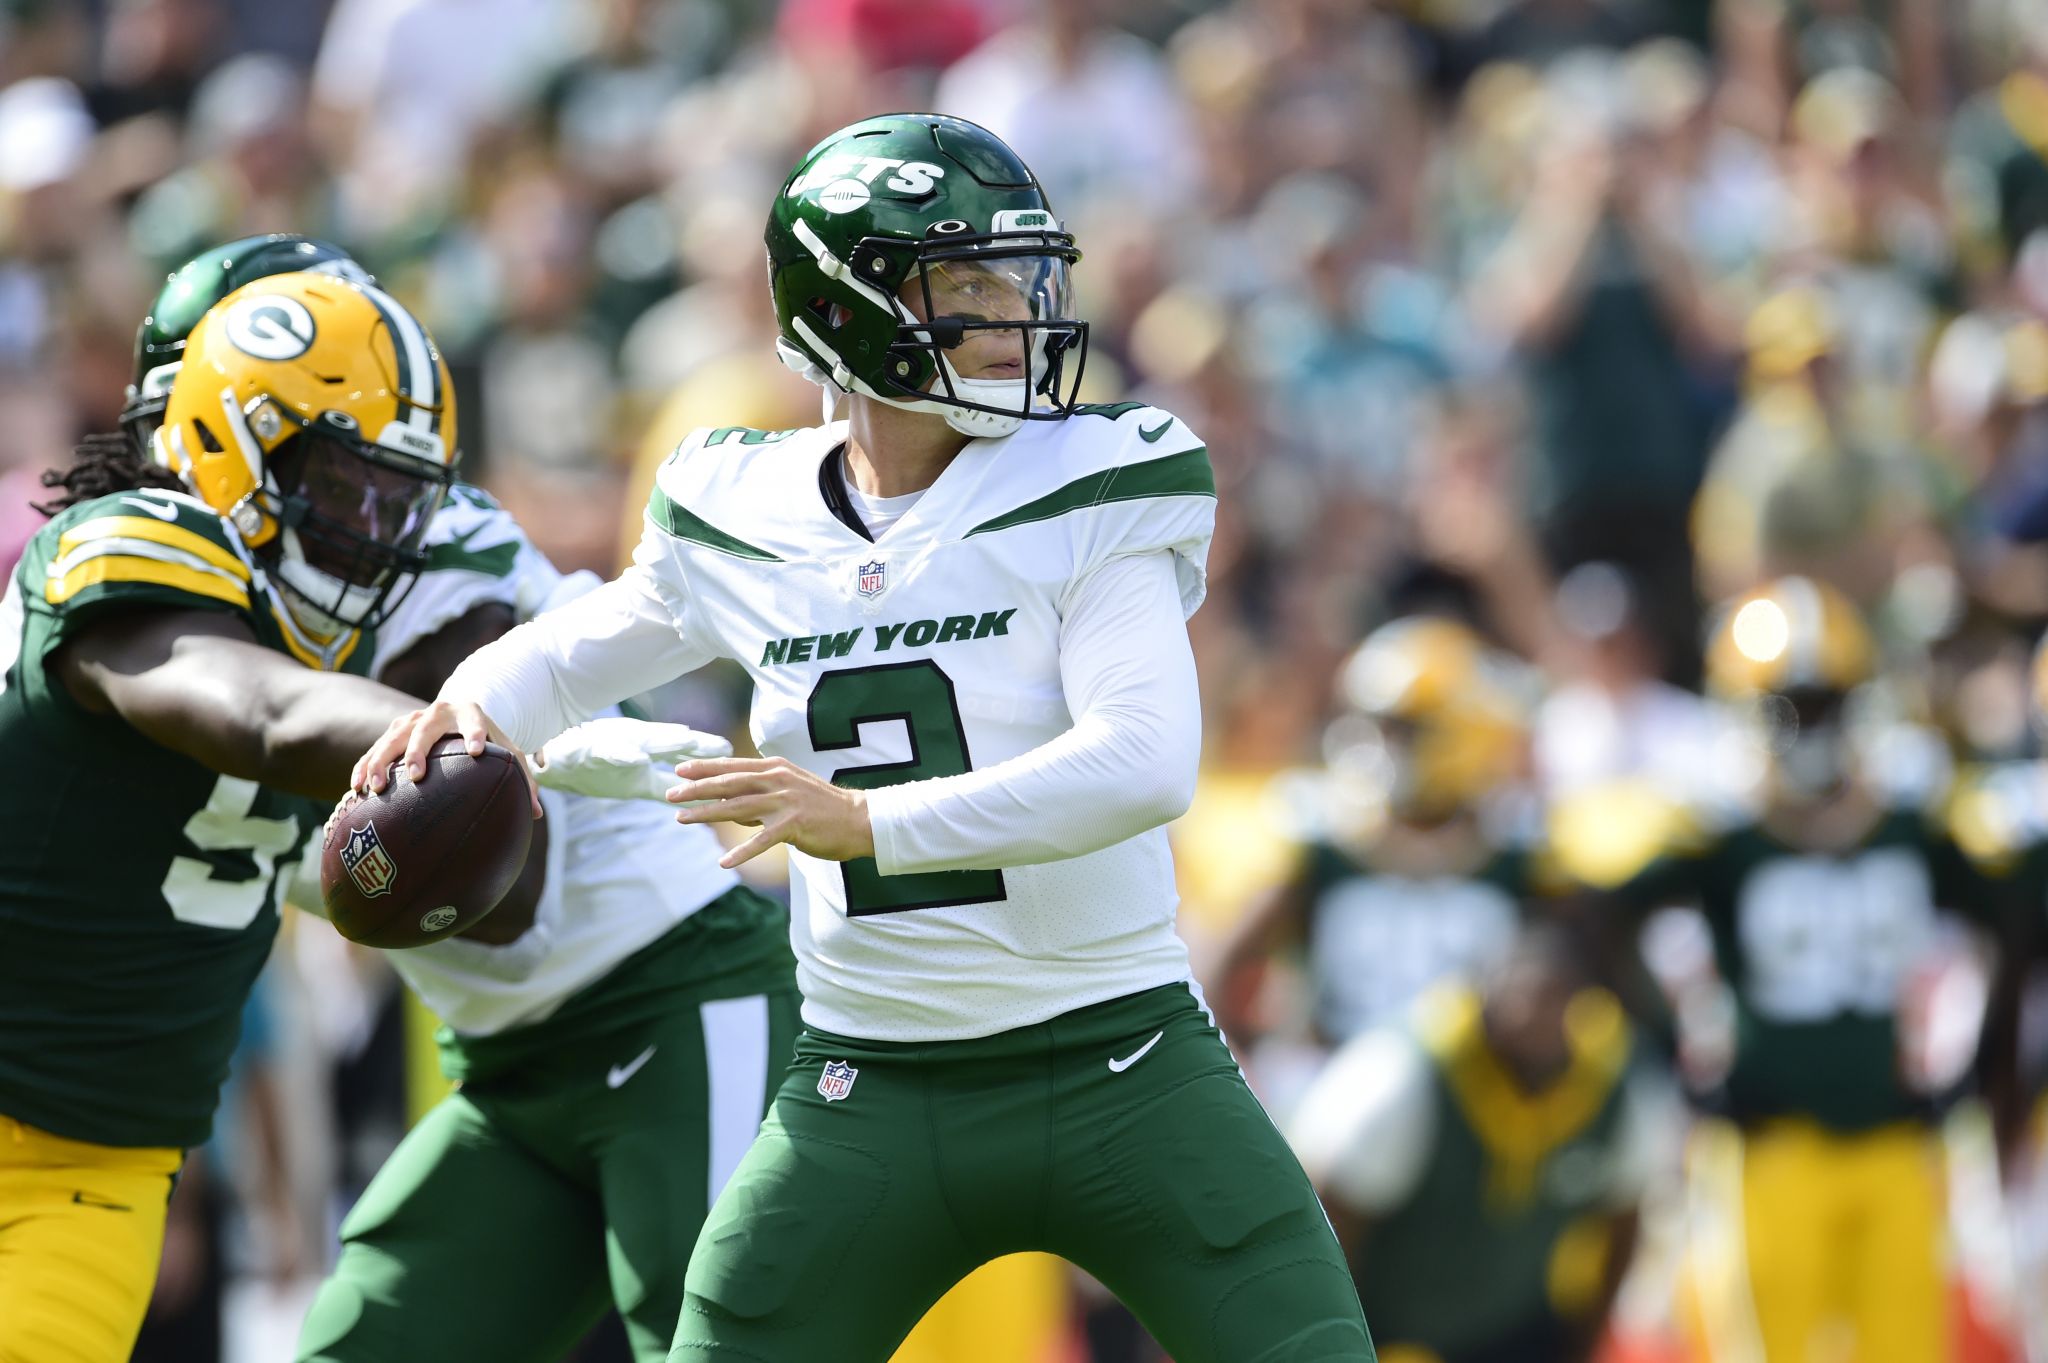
x=81 y=1229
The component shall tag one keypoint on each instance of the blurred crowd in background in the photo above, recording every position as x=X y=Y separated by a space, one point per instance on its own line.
x=1568 y=319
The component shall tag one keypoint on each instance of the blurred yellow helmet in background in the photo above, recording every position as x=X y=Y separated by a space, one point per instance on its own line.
x=1792 y=634
x=1435 y=704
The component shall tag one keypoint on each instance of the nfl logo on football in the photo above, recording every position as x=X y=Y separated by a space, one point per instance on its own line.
x=869 y=580
x=367 y=863
x=837 y=1080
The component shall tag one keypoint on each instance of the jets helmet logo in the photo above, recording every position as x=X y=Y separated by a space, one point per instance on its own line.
x=367 y=863
x=270 y=327
x=837 y=1080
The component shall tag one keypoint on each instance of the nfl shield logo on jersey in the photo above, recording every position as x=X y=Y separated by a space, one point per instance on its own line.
x=837 y=1080
x=869 y=581
x=367 y=863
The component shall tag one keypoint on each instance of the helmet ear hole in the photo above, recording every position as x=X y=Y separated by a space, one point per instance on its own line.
x=207 y=439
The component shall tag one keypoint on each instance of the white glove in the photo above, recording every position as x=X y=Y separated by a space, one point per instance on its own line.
x=620 y=759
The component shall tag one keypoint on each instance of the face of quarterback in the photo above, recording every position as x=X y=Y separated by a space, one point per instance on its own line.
x=1001 y=290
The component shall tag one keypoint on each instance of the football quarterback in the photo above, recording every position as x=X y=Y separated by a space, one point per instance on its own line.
x=963 y=609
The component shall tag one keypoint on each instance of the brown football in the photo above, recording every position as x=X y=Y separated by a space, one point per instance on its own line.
x=423 y=860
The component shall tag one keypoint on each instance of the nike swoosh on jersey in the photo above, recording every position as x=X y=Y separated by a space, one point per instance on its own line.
x=1119 y=1066
x=1151 y=437
x=619 y=1074
x=156 y=509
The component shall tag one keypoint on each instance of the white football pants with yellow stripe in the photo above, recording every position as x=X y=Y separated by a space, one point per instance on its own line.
x=81 y=1230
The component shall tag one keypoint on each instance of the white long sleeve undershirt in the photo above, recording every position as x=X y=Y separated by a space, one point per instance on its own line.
x=1126 y=669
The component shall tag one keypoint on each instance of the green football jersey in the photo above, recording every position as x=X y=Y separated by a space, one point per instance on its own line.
x=139 y=890
x=1377 y=939
x=1499 y=1247
x=1817 y=950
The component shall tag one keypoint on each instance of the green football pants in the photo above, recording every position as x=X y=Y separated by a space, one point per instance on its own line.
x=1121 y=1137
x=518 y=1210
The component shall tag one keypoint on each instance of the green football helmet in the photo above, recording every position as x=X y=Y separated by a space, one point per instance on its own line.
x=194 y=287
x=944 y=207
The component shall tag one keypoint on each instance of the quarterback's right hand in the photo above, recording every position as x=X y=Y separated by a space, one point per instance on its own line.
x=411 y=734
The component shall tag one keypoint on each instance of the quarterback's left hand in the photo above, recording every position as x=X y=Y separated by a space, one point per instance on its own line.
x=788 y=804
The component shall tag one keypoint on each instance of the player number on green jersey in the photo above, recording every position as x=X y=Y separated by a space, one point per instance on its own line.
x=229 y=886
x=1823 y=937
x=920 y=695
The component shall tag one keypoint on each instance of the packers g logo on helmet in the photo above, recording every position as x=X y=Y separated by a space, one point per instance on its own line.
x=315 y=413
x=270 y=327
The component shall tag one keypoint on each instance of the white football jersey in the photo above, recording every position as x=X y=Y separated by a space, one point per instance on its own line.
x=620 y=873
x=930 y=652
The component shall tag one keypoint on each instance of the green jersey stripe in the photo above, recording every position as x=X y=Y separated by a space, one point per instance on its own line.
x=683 y=525
x=1185 y=474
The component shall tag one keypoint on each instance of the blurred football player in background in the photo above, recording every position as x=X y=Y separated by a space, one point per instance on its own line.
x=1483 y=1166
x=1824 y=901
x=1418 y=860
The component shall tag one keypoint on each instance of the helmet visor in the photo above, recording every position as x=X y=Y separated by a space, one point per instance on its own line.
x=997 y=310
x=361 y=513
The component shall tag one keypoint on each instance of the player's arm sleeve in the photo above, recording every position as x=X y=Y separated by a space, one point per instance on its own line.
x=1363 y=1131
x=1652 y=1124
x=564 y=666
x=1127 y=764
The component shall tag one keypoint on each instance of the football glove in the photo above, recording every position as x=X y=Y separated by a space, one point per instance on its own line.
x=620 y=759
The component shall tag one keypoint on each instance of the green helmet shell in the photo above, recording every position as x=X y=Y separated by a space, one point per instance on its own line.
x=855 y=221
x=195 y=287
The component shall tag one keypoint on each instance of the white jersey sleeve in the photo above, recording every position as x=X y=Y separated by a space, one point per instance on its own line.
x=1127 y=764
x=1160 y=494
x=572 y=662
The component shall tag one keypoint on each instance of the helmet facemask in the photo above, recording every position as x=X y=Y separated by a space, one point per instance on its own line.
x=1807 y=731
x=978 y=329
x=352 y=516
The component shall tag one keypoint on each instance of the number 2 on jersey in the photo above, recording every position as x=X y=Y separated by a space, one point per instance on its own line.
x=921 y=696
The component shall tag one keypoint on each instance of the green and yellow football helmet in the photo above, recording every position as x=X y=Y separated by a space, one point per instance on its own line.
x=941 y=212
x=1788 y=656
x=1794 y=634
x=317 y=416
x=1430 y=706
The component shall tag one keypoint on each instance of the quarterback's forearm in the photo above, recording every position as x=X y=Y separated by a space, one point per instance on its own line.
x=563 y=667
x=1127 y=765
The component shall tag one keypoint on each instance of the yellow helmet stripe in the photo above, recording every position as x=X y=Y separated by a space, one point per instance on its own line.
x=152 y=531
x=127 y=568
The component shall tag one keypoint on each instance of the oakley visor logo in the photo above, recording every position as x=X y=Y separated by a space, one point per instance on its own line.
x=270 y=327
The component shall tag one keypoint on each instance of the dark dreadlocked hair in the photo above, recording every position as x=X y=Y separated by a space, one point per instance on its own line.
x=104 y=464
